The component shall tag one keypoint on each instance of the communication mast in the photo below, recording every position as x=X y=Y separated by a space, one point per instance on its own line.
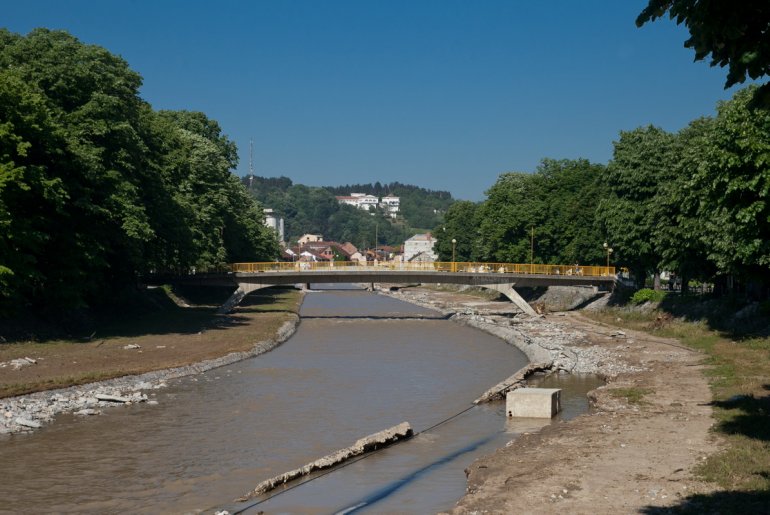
x=251 y=163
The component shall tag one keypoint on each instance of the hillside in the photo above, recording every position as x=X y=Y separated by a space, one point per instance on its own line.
x=310 y=209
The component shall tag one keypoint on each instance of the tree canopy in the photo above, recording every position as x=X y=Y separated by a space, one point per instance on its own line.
x=96 y=188
x=308 y=209
x=733 y=34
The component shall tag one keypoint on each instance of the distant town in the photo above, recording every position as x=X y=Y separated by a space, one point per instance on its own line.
x=312 y=247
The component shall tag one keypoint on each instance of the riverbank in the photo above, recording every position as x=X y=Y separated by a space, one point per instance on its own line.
x=638 y=448
x=39 y=380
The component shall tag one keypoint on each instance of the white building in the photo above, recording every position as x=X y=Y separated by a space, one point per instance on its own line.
x=420 y=244
x=390 y=205
x=359 y=200
x=275 y=222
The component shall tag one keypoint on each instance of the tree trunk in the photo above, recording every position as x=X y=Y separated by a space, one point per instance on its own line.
x=656 y=280
x=685 y=280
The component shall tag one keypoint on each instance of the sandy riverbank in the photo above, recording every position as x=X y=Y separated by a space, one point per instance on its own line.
x=634 y=452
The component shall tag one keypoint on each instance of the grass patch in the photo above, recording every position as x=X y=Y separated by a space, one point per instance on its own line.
x=738 y=371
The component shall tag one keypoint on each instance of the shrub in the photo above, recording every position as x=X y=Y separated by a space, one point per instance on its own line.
x=647 y=295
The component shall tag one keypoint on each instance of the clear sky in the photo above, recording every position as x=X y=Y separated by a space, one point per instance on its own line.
x=443 y=94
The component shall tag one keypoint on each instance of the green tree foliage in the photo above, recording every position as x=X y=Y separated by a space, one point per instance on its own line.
x=631 y=215
x=731 y=176
x=96 y=188
x=559 y=201
x=315 y=210
x=679 y=235
x=734 y=34
x=462 y=225
x=419 y=207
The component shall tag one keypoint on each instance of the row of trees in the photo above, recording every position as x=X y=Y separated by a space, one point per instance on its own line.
x=97 y=188
x=696 y=202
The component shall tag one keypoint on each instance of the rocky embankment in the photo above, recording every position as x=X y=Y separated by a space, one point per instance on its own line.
x=29 y=412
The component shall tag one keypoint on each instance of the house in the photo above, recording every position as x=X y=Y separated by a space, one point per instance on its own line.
x=420 y=244
x=359 y=200
x=390 y=205
x=307 y=238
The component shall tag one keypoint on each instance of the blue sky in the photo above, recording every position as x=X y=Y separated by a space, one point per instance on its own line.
x=443 y=94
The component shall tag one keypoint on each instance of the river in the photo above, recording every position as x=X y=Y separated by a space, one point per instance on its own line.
x=358 y=363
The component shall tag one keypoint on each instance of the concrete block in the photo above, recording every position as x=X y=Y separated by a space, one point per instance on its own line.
x=533 y=402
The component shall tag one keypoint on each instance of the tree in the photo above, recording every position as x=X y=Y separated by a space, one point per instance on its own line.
x=558 y=201
x=681 y=238
x=630 y=216
x=733 y=171
x=734 y=34
x=96 y=188
x=461 y=224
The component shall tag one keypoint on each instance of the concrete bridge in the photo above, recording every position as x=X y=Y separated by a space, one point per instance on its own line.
x=502 y=277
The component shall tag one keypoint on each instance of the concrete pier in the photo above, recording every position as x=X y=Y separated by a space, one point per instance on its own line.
x=533 y=402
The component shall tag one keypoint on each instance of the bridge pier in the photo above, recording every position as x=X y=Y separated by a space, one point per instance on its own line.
x=508 y=290
x=238 y=295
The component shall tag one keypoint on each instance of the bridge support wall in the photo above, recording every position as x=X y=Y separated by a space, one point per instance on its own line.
x=238 y=295
x=507 y=290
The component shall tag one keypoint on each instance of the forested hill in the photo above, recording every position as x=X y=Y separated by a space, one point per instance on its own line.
x=97 y=188
x=309 y=209
x=419 y=206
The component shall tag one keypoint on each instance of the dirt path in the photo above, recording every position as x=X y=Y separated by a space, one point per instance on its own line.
x=634 y=452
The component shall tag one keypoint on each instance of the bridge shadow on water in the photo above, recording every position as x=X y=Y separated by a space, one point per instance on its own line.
x=375 y=317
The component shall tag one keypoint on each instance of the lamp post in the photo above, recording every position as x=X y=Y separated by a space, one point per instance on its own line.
x=532 y=250
x=608 y=250
x=454 y=242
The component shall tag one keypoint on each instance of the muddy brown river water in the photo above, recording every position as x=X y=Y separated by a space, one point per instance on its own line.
x=358 y=363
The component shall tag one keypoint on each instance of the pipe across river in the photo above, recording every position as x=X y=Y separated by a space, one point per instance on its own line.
x=358 y=363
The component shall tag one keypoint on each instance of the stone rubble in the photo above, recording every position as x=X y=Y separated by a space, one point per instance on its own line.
x=28 y=412
x=18 y=363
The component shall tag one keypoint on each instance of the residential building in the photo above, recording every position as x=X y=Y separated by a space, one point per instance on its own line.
x=420 y=244
x=308 y=238
x=390 y=205
x=359 y=200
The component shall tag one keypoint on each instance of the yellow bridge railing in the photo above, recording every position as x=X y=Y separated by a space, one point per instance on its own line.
x=499 y=268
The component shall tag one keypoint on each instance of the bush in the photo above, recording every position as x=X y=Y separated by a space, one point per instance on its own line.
x=647 y=295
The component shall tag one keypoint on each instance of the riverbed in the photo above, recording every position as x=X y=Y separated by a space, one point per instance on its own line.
x=357 y=364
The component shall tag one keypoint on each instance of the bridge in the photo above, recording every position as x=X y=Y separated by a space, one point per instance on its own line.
x=502 y=277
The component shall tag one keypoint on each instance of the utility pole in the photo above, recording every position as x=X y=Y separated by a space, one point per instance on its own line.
x=532 y=249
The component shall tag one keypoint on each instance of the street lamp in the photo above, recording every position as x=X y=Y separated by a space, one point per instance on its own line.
x=532 y=250
x=608 y=250
x=454 y=242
